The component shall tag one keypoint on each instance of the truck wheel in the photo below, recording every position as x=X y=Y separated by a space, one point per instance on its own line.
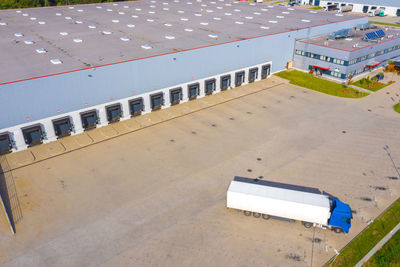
x=256 y=215
x=337 y=230
x=266 y=216
x=247 y=213
x=307 y=224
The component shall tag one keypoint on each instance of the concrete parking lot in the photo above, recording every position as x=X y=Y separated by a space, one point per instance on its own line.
x=156 y=196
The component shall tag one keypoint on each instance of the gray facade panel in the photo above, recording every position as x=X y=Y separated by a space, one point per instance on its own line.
x=41 y=98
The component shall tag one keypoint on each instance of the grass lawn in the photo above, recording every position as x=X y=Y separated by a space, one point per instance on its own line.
x=397 y=107
x=384 y=23
x=363 y=243
x=363 y=84
x=311 y=82
x=279 y=2
x=315 y=7
x=388 y=255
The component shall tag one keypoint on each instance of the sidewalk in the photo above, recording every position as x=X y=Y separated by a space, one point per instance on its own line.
x=378 y=246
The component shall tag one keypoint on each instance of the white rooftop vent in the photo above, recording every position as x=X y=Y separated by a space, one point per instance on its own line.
x=146 y=46
x=228 y=14
x=29 y=42
x=290 y=8
x=152 y=12
x=99 y=7
x=92 y=27
x=176 y=1
x=217 y=18
x=189 y=3
x=188 y=29
x=390 y=36
x=280 y=17
x=349 y=39
x=115 y=4
x=71 y=7
x=63 y=33
x=181 y=11
x=18 y=34
x=67 y=18
x=197 y=14
x=169 y=37
x=134 y=16
x=115 y=21
x=121 y=13
x=168 y=24
x=209 y=11
x=326 y=43
x=109 y=9
x=239 y=22
x=204 y=23
x=18 y=11
x=78 y=22
x=339 y=15
x=25 y=14
x=150 y=20
x=80 y=10
x=41 y=51
x=125 y=39
x=77 y=40
x=305 y=20
x=106 y=32
x=42 y=22
x=165 y=3
x=213 y=3
x=264 y=27
x=228 y=4
x=213 y=36
x=138 y=9
x=203 y=5
x=236 y=10
x=257 y=13
x=32 y=18
x=2 y=23
x=126 y=6
x=165 y=8
x=249 y=17
x=130 y=25
x=271 y=6
x=264 y=9
x=219 y=7
x=285 y=12
x=313 y=11
x=152 y=6
x=184 y=19
x=272 y=21
x=58 y=14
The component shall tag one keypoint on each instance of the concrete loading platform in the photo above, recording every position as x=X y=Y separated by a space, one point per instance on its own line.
x=156 y=196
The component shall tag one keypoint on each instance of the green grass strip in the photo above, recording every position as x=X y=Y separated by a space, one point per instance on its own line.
x=397 y=107
x=364 y=83
x=363 y=243
x=324 y=86
x=388 y=255
x=384 y=23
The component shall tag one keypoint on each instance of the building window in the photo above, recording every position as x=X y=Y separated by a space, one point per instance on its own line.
x=209 y=86
x=193 y=91
x=33 y=135
x=175 y=96
x=62 y=127
x=89 y=119
x=136 y=107
x=225 y=82
x=239 y=78
x=5 y=144
x=253 y=74
x=157 y=100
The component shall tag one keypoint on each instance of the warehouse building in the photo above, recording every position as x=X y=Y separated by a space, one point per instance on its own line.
x=389 y=7
x=348 y=52
x=65 y=70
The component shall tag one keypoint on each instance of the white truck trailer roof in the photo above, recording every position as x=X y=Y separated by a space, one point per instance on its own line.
x=281 y=202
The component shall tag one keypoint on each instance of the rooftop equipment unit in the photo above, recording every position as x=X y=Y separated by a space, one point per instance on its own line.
x=365 y=26
x=343 y=33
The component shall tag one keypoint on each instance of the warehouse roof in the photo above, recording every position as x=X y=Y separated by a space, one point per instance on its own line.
x=391 y=3
x=356 y=42
x=41 y=41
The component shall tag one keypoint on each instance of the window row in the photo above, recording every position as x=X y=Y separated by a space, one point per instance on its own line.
x=320 y=57
x=34 y=135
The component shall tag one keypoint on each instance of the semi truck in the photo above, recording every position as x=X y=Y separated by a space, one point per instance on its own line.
x=290 y=202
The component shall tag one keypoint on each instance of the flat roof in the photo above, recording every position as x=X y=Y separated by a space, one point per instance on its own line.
x=355 y=42
x=41 y=41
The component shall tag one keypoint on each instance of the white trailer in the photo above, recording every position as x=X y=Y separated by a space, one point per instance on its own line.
x=269 y=199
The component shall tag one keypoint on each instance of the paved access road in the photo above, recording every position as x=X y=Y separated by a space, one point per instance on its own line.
x=156 y=197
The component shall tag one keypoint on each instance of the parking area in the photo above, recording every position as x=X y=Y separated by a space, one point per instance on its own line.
x=156 y=196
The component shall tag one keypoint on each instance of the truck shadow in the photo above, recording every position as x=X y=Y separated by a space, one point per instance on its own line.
x=9 y=195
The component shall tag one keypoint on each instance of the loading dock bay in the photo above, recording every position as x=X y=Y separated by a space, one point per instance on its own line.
x=156 y=196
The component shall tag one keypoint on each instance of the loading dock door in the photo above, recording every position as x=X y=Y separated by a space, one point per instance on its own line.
x=239 y=78
x=136 y=107
x=62 y=127
x=113 y=113
x=209 y=86
x=33 y=135
x=225 y=82
x=253 y=74
x=156 y=101
x=193 y=91
x=265 y=71
x=5 y=144
x=176 y=96
x=365 y=9
x=89 y=120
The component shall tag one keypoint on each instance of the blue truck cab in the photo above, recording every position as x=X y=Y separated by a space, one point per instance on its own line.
x=341 y=216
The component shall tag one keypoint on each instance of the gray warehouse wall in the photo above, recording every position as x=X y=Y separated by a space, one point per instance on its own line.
x=41 y=98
